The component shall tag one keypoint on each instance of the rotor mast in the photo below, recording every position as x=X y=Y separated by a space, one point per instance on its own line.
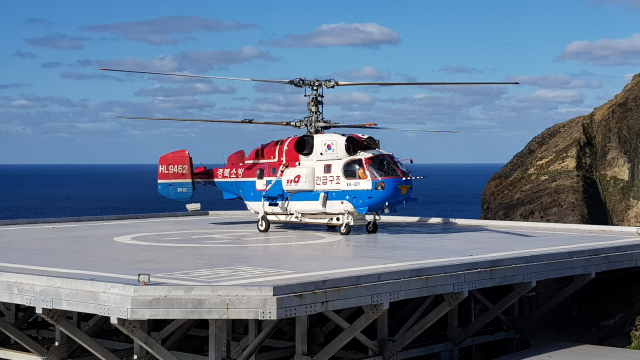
x=315 y=104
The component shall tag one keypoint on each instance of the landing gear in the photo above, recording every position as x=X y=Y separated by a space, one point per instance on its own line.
x=331 y=227
x=263 y=224
x=345 y=229
x=372 y=227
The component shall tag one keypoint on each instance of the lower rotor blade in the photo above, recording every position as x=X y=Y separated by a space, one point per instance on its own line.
x=346 y=83
x=197 y=76
x=245 y=121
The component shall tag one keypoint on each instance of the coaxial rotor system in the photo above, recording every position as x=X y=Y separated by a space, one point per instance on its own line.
x=314 y=122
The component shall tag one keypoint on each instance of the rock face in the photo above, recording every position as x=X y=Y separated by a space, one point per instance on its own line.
x=584 y=170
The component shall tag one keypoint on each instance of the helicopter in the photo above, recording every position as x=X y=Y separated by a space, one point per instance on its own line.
x=337 y=180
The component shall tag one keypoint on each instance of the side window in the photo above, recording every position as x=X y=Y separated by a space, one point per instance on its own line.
x=354 y=169
x=327 y=169
x=260 y=174
x=274 y=171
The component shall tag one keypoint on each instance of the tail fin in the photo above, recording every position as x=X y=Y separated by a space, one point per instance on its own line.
x=175 y=176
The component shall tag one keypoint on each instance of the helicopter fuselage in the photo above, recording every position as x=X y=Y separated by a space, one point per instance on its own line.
x=306 y=178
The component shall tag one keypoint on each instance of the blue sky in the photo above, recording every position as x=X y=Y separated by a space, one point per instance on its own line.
x=57 y=107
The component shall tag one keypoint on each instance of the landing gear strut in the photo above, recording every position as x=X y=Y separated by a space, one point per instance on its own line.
x=372 y=227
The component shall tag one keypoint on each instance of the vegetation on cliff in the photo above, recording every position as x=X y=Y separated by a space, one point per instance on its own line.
x=584 y=170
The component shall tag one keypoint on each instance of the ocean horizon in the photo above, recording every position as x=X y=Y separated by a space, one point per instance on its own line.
x=74 y=190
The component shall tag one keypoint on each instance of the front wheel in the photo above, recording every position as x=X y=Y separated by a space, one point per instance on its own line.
x=372 y=227
x=345 y=229
x=263 y=224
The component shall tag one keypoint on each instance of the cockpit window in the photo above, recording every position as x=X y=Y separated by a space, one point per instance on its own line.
x=354 y=169
x=405 y=172
x=381 y=166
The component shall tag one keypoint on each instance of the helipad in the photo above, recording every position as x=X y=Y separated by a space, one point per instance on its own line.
x=219 y=266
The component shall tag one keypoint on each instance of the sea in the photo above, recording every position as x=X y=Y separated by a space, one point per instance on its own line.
x=57 y=191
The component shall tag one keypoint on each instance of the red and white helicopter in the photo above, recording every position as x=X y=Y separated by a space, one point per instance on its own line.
x=339 y=180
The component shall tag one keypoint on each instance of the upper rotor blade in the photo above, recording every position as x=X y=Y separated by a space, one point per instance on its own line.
x=374 y=126
x=245 y=121
x=197 y=76
x=346 y=83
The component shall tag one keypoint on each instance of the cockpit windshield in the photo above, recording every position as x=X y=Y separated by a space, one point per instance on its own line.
x=405 y=172
x=381 y=166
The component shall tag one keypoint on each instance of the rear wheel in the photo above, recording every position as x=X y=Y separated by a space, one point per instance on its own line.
x=263 y=224
x=345 y=229
x=372 y=227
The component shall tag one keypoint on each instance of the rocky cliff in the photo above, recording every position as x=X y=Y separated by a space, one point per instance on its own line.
x=585 y=170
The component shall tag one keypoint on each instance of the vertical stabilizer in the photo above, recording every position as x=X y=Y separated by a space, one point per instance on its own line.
x=175 y=176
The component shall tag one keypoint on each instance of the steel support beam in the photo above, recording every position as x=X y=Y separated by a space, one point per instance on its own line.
x=489 y=305
x=578 y=282
x=132 y=329
x=19 y=322
x=264 y=335
x=344 y=325
x=17 y=355
x=179 y=334
x=518 y=291
x=170 y=328
x=93 y=329
x=412 y=320
x=371 y=312
x=450 y=301
x=59 y=320
x=25 y=341
x=331 y=325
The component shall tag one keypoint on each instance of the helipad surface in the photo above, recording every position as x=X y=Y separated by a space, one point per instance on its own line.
x=224 y=254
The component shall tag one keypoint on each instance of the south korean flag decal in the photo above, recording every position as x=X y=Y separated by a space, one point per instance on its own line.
x=329 y=147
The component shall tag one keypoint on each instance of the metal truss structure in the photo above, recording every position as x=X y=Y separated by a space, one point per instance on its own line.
x=387 y=329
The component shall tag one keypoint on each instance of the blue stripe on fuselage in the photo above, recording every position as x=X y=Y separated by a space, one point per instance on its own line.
x=371 y=200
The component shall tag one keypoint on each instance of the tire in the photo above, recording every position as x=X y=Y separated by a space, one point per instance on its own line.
x=372 y=227
x=345 y=229
x=332 y=227
x=263 y=224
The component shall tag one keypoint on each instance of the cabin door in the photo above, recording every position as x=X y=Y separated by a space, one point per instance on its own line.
x=261 y=178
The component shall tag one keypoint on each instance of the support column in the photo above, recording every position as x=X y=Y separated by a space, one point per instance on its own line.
x=382 y=332
x=302 y=326
x=217 y=339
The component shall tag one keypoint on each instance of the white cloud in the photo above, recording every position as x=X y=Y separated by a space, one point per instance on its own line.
x=549 y=96
x=364 y=73
x=58 y=42
x=584 y=80
x=605 y=52
x=459 y=69
x=369 y=35
x=185 y=90
x=157 y=31
x=194 y=60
